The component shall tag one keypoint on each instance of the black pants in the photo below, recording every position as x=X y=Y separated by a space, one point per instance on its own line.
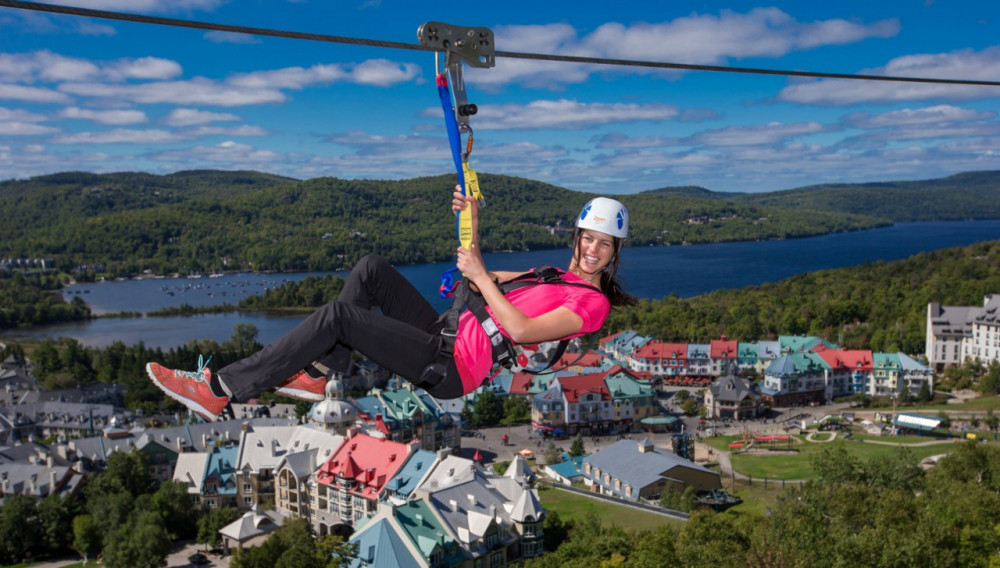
x=403 y=338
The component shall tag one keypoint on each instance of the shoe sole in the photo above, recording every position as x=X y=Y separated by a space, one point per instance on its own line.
x=301 y=394
x=187 y=402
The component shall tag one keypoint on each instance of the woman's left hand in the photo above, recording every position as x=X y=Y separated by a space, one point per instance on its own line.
x=470 y=263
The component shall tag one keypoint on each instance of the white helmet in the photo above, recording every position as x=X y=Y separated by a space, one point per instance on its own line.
x=604 y=215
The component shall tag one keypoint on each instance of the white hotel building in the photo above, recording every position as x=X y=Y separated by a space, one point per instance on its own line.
x=957 y=333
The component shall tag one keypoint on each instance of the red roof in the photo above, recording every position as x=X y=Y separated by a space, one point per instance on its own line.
x=605 y=340
x=367 y=460
x=573 y=387
x=847 y=358
x=520 y=383
x=589 y=359
x=724 y=349
x=660 y=350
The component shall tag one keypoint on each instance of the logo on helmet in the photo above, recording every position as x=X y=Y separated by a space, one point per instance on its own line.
x=621 y=218
x=586 y=209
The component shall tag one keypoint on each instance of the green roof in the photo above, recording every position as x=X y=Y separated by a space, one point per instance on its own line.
x=403 y=403
x=424 y=529
x=621 y=385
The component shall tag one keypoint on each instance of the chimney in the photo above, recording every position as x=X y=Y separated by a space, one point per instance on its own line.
x=454 y=505
x=52 y=482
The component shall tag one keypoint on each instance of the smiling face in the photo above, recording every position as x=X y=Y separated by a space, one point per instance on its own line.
x=594 y=251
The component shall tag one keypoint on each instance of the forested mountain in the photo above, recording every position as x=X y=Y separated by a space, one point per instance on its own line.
x=203 y=221
x=973 y=195
x=199 y=221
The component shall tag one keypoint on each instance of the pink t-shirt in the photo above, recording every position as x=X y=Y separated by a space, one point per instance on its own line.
x=473 y=356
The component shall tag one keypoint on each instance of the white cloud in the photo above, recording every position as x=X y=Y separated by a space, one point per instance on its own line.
x=617 y=140
x=31 y=94
x=378 y=72
x=7 y=114
x=914 y=117
x=198 y=91
x=88 y=27
x=229 y=37
x=15 y=128
x=243 y=130
x=227 y=153
x=567 y=114
x=192 y=117
x=113 y=117
x=696 y=39
x=50 y=66
x=119 y=136
x=965 y=64
x=46 y=66
x=773 y=133
x=144 y=68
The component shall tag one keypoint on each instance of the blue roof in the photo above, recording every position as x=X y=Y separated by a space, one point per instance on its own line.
x=570 y=467
x=372 y=406
x=221 y=465
x=380 y=546
x=411 y=473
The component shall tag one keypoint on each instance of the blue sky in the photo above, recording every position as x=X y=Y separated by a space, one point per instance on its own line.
x=103 y=96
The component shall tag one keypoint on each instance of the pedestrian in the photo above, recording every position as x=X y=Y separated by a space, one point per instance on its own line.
x=405 y=336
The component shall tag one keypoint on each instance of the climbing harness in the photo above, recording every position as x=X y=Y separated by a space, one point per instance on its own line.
x=504 y=352
x=473 y=46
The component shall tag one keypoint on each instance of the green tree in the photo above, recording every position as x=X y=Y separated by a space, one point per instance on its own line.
x=516 y=410
x=20 y=534
x=143 y=542
x=924 y=394
x=488 y=410
x=577 y=448
x=173 y=504
x=689 y=407
x=55 y=520
x=552 y=454
x=211 y=522
x=86 y=536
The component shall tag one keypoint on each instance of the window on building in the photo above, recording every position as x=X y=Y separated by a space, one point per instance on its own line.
x=496 y=561
x=247 y=488
x=248 y=501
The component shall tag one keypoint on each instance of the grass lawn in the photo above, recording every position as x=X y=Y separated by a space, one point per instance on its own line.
x=795 y=465
x=981 y=404
x=571 y=506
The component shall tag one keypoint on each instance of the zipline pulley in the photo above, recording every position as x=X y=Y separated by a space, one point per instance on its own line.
x=473 y=46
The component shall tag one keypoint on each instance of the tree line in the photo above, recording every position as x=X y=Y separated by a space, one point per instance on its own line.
x=877 y=512
x=129 y=520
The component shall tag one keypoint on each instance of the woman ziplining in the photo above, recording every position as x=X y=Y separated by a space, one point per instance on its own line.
x=405 y=335
x=448 y=355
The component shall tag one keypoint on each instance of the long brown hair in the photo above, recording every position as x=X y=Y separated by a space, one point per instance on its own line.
x=610 y=285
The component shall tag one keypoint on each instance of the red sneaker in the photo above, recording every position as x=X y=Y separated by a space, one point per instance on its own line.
x=308 y=384
x=190 y=388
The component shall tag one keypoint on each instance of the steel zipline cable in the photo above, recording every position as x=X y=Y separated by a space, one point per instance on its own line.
x=125 y=17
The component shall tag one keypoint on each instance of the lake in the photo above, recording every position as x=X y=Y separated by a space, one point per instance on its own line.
x=648 y=272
